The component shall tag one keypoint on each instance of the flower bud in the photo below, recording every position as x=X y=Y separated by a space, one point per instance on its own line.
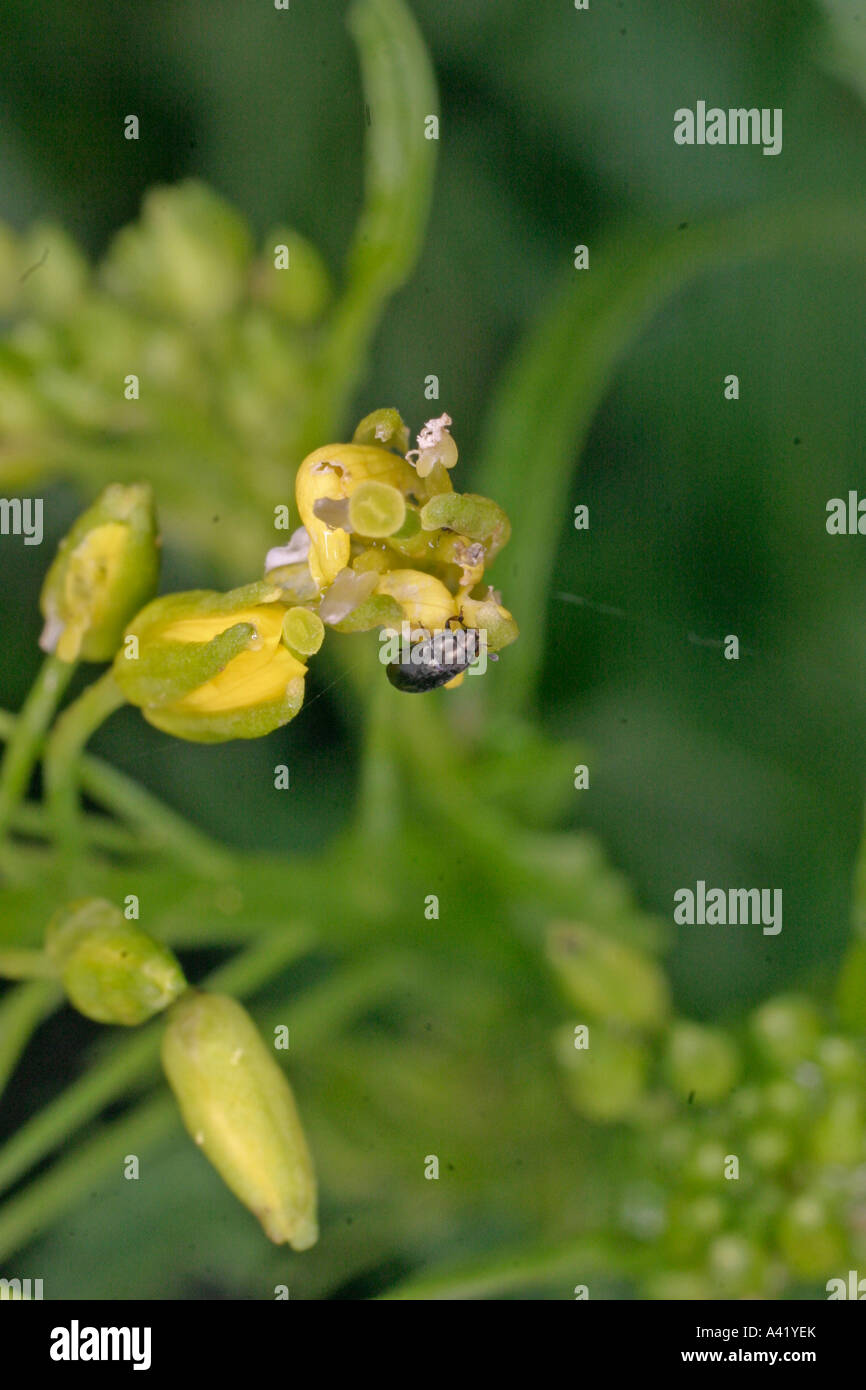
x=810 y=1237
x=53 y=273
x=701 y=1062
x=489 y=616
x=104 y=570
x=300 y=291
x=476 y=518
x=186 y=257
x=209 y=667
x=384 y=429
x=786 y=1030
x=239 y=1108
x=606 y=1079
x=608 y=979
x=111 y=971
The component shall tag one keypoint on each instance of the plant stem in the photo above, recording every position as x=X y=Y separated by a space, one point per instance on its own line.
x=518 y=1270
x=26 y=735
x=379 y=799
x=21 y=1011
x=18 y=963
x=164 y=828
x=62 y=753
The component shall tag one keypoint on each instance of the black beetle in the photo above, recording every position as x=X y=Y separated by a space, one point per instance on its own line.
x=435 y=661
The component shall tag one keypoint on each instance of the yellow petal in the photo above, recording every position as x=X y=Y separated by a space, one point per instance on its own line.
x=252 y=678
x=423 y=598
x=267 y=619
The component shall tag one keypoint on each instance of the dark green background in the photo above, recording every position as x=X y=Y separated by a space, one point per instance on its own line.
x=707 y=516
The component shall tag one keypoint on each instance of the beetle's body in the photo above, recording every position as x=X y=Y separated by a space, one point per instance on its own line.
x=432 y=664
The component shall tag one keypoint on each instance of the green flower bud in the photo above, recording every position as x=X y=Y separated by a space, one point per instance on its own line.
x=734 y=1264
x=701 y=1062
x=810 y=1238
x=210 y=667
x=787 y=1101
x=469 y=515
x=298 y=291
x=692 y=1221
x=56 y=273
x=838 y=1135
x=489 y=616
x=786 y=1030
x=842 y=1061
x=188 y=256
x=104 y=570
x=609 y=980
x=705 y=1166
x=239 y=1108
x=605 y=1080
x=679 y=1285
x=111 y=971
x=769 y=1148
x=384 y=429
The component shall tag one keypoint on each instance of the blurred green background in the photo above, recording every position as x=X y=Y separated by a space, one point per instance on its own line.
x=707 y=516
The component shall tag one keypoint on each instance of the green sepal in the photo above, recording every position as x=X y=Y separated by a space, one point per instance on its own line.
x=384 y=429
x=379 y=610
x=470 y=515
x=166 y=671
x=252 y=722
x=489 y=617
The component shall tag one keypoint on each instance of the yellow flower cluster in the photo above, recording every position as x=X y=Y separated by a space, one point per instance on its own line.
x=385 y=543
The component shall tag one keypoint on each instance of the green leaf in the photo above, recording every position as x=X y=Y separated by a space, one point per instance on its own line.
x=550 y=392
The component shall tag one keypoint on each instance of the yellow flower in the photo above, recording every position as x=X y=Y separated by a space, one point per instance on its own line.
x=211 y=667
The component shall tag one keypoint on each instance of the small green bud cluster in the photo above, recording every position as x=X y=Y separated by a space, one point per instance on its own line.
x=751 y=1142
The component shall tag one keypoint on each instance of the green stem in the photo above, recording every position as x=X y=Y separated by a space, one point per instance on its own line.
x=568 y=1265
x=31 y=820
x=18 y=963
x=21 y=1011
x=26 y=735
x=163 y=828
x=74 y=1176
x=135 y=1060
x=379 y=800
x=62 y=753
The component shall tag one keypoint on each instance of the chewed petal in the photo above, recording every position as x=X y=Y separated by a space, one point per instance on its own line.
x=297 y=549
